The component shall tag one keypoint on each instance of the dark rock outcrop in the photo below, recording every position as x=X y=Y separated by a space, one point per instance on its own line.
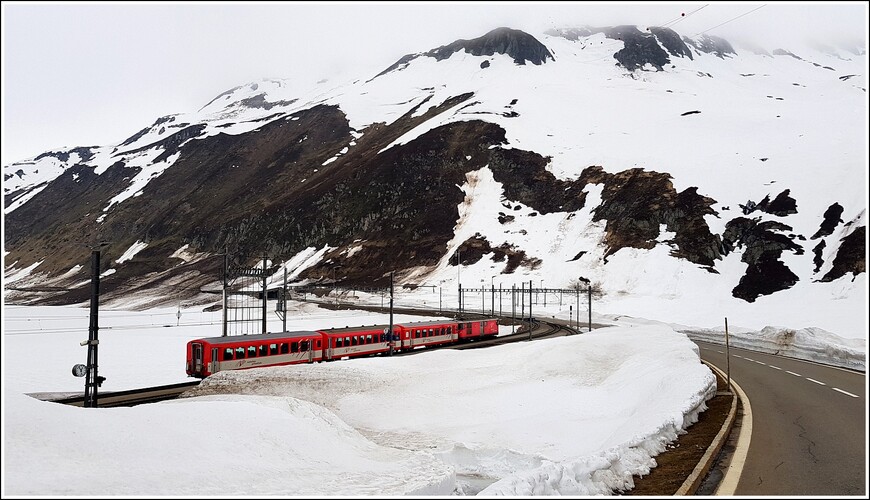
x=519 y=45
x=640 y=48
x=710 y=44
x=831 y=219
x=671 y=41
x=635 y=203
x=84 y=153
x=763 y=245
x=783 y=52
x=851 y=256
x=781 y=206
x=818 y=261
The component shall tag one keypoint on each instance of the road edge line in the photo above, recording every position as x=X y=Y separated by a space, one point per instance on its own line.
x=693 y=481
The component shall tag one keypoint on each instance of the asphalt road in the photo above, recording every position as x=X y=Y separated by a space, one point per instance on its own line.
x=809 y=434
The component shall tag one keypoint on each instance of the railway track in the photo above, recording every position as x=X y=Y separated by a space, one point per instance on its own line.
x=133 y=397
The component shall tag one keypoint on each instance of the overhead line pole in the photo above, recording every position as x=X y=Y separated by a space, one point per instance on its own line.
x=265 y=293
x=93 y=340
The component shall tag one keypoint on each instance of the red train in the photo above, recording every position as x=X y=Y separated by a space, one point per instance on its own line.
x=238 y=352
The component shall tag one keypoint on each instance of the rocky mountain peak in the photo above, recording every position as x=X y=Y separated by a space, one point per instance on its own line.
x=519 y=45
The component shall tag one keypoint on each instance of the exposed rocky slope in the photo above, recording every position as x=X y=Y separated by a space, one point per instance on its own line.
x=260 y=172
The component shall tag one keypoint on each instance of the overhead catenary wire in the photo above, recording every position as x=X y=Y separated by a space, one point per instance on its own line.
x=681 y=17
x=728 y=21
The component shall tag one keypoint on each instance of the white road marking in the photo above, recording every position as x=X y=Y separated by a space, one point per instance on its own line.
x=720 y=352
x=749 y=359
x=816 y=381
x=795 y=374
x=775 y=367
x=760 y=363
x=844 y=392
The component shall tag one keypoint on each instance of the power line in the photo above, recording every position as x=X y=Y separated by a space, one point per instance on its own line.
x=681 y=17
x=728 y=21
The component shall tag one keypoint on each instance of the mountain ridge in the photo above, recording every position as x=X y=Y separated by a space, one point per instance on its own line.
x=375 y=187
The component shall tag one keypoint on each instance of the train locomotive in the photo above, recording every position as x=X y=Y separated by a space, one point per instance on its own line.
x=239 y=352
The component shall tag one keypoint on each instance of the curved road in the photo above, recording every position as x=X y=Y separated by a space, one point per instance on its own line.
x=808 y=424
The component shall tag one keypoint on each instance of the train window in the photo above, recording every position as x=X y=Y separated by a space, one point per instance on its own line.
x=294 y=347
x=318 y=344
x=228 y=354
x=252 y=351
x=368 y=339
x=459 y=327
x=353 y=340
x=264 y=350
x=284 y=348
x=273 y=348
x=416 y=334
x=338 y=342
x=431 y=332
x=303 y=346
x=240 y=353
x=347 y=341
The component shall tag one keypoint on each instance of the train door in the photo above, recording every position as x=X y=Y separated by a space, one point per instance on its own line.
x=196 y=358
x=213 y=365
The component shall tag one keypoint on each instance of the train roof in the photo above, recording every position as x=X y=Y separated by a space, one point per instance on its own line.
x=354 y=329
x=418 y=324
x=259 y=337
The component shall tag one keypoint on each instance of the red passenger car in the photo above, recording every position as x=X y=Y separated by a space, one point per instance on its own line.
x=355 y=341
x=211 y=355
x=425 y=333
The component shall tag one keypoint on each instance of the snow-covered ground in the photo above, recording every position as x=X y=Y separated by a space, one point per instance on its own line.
x=572 y=415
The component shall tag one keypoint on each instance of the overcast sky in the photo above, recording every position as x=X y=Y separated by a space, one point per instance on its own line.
x=77 y=74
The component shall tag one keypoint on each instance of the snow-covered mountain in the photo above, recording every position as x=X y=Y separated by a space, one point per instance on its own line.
x=671 y=172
